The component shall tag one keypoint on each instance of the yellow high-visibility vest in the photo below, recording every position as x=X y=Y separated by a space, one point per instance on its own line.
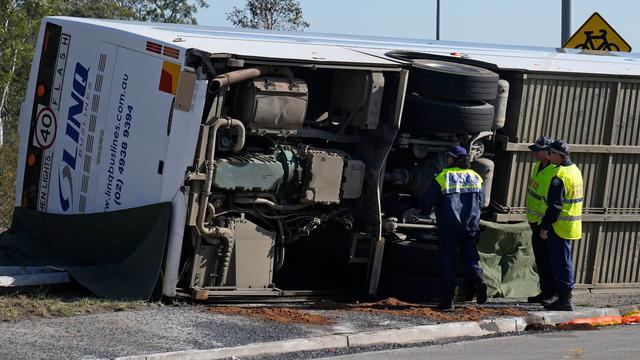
x=569 y=224
x=536 y=199
x=458 y=180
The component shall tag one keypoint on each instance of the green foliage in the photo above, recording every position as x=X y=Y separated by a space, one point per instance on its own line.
x=270 y=15
x=168 y=11
x=8 y=164
x=104 y=9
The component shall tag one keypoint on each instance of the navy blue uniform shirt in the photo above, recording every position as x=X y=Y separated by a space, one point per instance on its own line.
x=456 y=209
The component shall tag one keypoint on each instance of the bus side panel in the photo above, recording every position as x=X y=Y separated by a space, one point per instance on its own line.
x=136 y=137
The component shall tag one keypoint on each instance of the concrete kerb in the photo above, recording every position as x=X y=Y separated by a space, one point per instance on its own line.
x=408 y=335
x=275 y=347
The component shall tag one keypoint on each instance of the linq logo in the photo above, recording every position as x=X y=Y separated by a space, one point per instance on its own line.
x=72 y=131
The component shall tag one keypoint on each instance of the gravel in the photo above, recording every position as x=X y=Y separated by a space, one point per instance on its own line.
x=165 y=328
x=159 y=328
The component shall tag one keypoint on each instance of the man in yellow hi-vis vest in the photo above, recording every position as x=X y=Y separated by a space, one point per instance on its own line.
x=457 y=194
x=536 y=202
x=562 y=222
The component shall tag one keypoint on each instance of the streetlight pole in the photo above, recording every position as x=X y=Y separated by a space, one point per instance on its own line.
x=437 y=19
x=566 y=21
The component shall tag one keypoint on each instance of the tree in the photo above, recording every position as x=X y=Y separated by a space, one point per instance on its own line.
x=168 y=11
x=270 y=15
x=103 y=9
x=19 y=23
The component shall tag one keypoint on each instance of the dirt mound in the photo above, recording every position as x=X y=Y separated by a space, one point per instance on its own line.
x=277 y=314
x=393 y=306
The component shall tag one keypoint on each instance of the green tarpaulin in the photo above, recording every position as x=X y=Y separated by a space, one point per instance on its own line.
x=507 y=258
x=116 y=255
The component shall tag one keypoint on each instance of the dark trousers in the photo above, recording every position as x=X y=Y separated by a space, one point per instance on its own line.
x=450 y=241
x=543 y=262
x=561 y=262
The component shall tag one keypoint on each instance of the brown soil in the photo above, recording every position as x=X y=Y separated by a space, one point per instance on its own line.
x=277 y=314
x=389 y=306
x=576 y=327
x=465 y=313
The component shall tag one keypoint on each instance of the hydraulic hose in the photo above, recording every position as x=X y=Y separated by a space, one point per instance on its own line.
x=210 y=161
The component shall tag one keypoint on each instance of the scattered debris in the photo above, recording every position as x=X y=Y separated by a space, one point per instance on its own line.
x=540 y=327
x=465 y=313
x=563 y=326
x=277 y=314
x=572 y=327
x=389 y=306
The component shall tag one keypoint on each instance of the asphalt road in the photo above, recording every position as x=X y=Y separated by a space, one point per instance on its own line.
x=618 y=343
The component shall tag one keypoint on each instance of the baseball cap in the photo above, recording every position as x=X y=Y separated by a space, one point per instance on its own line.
x=542 y=143
x=457 y=151
x=559 y=147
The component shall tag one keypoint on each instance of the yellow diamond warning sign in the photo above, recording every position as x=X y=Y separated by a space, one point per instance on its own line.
x=597 y=34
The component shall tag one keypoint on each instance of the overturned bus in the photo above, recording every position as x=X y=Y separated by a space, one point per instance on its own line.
x=208 y=162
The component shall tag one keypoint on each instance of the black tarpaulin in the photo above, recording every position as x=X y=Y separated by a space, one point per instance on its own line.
x=116 y=255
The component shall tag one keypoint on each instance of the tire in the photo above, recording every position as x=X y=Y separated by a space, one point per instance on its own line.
x=452 y=80
x=410 y=287
x=413 y=257
x=463 y=117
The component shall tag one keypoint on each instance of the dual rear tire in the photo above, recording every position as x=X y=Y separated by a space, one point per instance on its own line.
x=449 y=96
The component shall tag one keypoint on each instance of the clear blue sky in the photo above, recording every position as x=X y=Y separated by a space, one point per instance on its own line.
x=519 y=22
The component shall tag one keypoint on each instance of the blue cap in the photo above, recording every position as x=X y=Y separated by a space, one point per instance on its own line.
x=542 y=143
x=559 y=147
x=457 y=151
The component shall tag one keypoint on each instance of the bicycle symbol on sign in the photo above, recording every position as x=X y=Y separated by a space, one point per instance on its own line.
x=604 y=43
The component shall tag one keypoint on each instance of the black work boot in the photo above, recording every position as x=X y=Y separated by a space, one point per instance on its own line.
x=446 y=301
x=469 y=289
x=481 y=291
x=541 y=298
x=562 y=304
x=445 y=304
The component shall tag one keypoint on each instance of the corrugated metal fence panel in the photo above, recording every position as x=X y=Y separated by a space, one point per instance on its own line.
x=629 y=119
x=574 y=110
x=588 y=111
x=624 y=188
x=511 y=183
x=581 y=251
x=618 y=258
x=591 y=166
x=510 y=190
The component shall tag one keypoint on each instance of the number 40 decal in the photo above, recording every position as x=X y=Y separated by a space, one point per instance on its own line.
x=46 y=126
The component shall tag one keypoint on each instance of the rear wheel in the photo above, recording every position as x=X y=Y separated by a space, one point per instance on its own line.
x=464 y=117
x=452 y=80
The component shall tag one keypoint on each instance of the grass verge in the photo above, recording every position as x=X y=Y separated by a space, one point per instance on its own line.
x=20 y=306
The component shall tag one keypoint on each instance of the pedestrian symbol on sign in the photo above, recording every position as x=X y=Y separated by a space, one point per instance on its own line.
x=597 y=34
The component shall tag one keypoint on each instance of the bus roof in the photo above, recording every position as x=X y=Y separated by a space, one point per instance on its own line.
x=334 y=48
